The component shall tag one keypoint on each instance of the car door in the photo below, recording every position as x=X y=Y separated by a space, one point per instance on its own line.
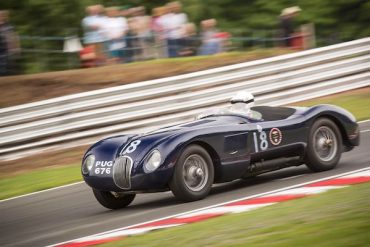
x=274 y=136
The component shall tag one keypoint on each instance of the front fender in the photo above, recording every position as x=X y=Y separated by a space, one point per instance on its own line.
x=344 y=120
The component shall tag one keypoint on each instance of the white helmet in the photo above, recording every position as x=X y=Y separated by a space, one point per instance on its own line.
x=243 y=97
x=242 y=102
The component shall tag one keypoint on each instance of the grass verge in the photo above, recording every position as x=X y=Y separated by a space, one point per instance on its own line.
x=356 y=101
x=37 y=180
x=336 y=218
x=33 y=168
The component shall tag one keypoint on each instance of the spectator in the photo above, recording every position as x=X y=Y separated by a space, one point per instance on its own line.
x=211 y=44
x=190 y=42
x=132 y=42
x=116 y=28
x=145 y=33
x=172 y=23
x=9 y=45
x=224 y=40
x=287 y=25
x=158 y=31
x=88 y=57
x=93 y=25
x=141 y=25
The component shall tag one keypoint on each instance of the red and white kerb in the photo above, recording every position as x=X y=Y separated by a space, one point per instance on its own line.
x=237 y=206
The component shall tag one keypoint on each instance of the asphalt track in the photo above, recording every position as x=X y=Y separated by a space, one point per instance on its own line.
x=67 y=213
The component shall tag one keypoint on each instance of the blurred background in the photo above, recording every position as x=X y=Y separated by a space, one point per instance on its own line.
x=49 y=35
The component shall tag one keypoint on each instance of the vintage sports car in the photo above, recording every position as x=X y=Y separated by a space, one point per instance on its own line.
x=218 y=147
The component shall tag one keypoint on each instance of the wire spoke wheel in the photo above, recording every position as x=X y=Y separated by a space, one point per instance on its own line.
x=195 y=172
x=326 y=143
x=324 y=147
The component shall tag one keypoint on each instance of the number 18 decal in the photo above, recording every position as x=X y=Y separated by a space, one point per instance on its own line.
x=132 y=147
x=261 y=142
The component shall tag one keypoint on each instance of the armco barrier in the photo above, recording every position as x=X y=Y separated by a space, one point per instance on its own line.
x=277 y=80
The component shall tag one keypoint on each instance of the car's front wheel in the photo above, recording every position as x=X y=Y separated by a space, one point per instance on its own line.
x=113 y=200
x=324 y=147
x=193 y=176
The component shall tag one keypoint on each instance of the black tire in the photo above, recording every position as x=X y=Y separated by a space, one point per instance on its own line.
x=108 y=200
x=331 y=152
x=179 y=184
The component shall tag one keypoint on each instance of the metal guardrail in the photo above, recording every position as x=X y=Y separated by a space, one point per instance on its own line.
x=277 y=80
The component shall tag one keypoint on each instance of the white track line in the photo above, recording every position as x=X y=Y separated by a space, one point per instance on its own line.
x=131 y=232
x=364 y=121
x=226 y=209
x=307 y=190
x=365 y=173
x=216 y=205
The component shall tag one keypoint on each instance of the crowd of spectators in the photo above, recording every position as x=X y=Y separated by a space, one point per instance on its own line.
x=120 y=35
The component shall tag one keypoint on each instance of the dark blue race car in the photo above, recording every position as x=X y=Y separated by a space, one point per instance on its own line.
x=219 y=147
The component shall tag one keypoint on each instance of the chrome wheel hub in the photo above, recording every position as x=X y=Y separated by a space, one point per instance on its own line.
x=117 y=195
x=326 y=143
x=195 y=172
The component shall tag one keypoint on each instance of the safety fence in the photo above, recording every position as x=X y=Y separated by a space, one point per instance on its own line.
x=51 y=53
x=146 y=105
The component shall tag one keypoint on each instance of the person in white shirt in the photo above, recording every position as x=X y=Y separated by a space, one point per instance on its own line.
x=158 y=31
x=141 y=28
x=115 y=29
x=93 y=25
x=172 y=23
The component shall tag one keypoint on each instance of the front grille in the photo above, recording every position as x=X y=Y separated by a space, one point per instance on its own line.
x=122 y=171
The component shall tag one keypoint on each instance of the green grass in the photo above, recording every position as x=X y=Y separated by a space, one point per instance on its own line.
x=38 y=180
x=358 y=104
x=336 y=218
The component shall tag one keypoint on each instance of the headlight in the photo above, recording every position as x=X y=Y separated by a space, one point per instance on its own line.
x=88 y=164
x=153 y=161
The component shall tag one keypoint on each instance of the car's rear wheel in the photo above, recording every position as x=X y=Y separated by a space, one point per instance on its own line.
x=324 y=147
x=113 y=200
x=193 y=176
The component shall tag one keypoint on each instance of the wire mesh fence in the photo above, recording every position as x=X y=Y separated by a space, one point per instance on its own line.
x=42 y=53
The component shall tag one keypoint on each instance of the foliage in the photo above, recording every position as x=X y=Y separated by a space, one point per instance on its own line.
x=56 y=17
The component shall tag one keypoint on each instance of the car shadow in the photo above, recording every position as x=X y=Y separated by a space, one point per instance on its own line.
x=167 y=199
x=261 y=179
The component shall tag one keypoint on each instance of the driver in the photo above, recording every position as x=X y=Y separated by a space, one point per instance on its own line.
x=242 y=102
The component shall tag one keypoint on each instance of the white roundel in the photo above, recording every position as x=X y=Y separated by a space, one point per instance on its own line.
x=275 y=136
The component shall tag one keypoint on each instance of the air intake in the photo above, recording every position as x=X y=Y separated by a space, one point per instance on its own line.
x=122 y=171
